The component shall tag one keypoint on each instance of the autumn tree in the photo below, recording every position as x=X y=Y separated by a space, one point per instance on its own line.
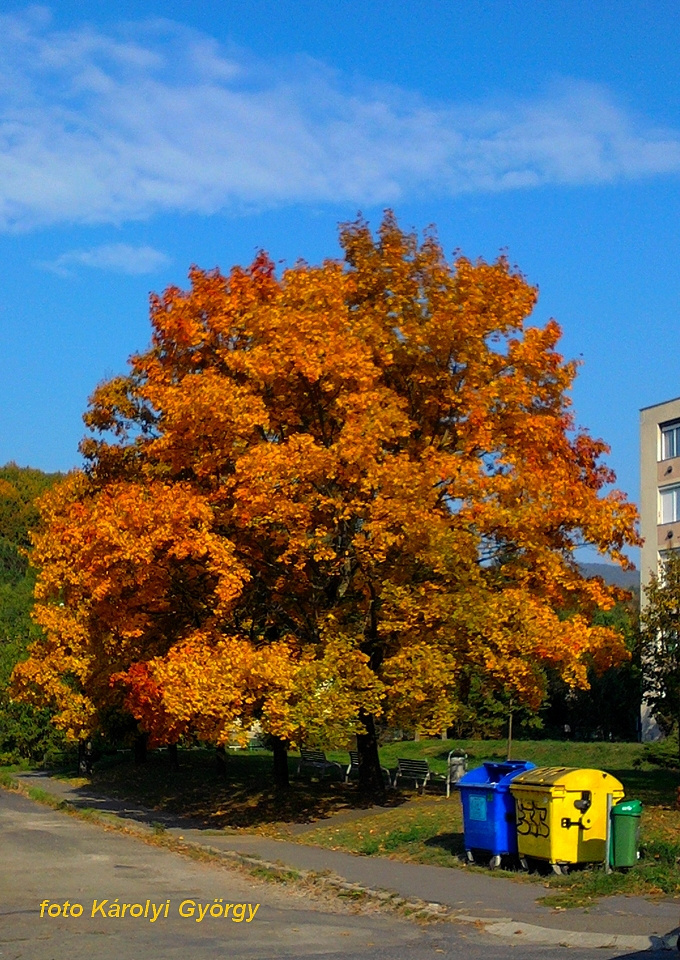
x=327 y=497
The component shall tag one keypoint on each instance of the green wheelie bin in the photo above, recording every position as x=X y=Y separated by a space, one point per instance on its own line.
x=625 y=833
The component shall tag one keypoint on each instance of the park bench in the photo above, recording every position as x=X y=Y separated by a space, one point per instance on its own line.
x=419 y=771
x=315 y=761
x=353 y=768
x=416 y=770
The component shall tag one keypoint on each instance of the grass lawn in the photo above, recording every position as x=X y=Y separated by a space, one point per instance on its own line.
x=426 y=829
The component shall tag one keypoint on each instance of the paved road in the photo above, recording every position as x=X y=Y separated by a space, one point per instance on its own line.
x=48 y=858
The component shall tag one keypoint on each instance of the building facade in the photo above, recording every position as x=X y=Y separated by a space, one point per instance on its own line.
x=659 y=500
x=659 y=484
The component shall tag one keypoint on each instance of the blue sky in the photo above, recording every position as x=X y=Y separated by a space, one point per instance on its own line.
x=138 y=138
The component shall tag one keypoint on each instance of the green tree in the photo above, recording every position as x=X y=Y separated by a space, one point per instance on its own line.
x=610 y=708
x=25 y=730
x=660 y=636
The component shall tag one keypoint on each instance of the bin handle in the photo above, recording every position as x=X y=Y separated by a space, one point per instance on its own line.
x=566 y=822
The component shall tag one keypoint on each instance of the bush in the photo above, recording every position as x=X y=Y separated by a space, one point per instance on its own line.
x=26 y=733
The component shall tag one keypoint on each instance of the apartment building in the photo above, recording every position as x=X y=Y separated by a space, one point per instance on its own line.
x=659 y=484
x=659 y=501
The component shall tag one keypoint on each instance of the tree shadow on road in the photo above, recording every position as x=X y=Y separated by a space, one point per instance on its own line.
x=658 y=951
x=199 y=795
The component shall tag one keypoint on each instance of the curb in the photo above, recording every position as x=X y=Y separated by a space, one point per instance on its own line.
x=421 y=910
x=411 y=906
x=530 y=933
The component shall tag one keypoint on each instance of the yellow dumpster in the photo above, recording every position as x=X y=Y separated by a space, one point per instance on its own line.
x=562 y=814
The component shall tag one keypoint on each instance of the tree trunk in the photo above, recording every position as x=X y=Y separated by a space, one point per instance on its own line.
x=280 y=748
x=140 y=748
x=371 y=782
x=221 y=759
x=172 y=753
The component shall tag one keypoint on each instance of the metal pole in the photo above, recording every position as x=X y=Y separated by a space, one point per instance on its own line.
x=510 y=732
x=608 y=836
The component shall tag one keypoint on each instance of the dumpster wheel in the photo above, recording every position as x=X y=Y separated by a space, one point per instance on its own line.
x=561 y=869
x=470 y=856
x=494 y=862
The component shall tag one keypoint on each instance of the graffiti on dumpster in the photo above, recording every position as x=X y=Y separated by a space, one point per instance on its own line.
x=532 y=820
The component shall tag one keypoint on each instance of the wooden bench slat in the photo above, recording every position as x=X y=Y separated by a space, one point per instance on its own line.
x=413 y=770
x=317 y=760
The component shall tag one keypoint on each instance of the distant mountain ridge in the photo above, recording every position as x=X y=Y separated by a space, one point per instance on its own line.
x=628 y=579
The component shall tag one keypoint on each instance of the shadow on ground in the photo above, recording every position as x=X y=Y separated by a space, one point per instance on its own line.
x=201 y=795
x=452 y=843
x=655 y=953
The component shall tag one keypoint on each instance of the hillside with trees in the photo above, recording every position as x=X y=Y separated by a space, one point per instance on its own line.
x=25 y=730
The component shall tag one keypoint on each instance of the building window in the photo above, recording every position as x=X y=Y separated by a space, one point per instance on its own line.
x=670 y=504
x=670 y=440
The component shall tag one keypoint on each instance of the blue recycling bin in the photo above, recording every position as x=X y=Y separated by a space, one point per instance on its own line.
x=489 y=824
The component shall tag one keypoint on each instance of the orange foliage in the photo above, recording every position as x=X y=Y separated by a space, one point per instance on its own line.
x=321 y=494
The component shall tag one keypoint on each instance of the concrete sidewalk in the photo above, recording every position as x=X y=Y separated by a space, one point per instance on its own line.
x=503 y=907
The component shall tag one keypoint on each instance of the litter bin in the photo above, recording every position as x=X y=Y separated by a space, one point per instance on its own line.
x=562 y=814
x=625 y=836
x=456 y=765
x=489 y=809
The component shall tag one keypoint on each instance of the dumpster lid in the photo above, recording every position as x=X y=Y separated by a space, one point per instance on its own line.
x=568 y=777
x=544 y=776
x=627 y=808
x=494 y=773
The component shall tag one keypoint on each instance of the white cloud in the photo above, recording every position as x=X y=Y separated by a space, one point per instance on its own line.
x=104 y=128
x=116 y=257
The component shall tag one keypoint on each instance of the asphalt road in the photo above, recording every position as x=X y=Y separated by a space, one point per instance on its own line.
x=177 y=907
